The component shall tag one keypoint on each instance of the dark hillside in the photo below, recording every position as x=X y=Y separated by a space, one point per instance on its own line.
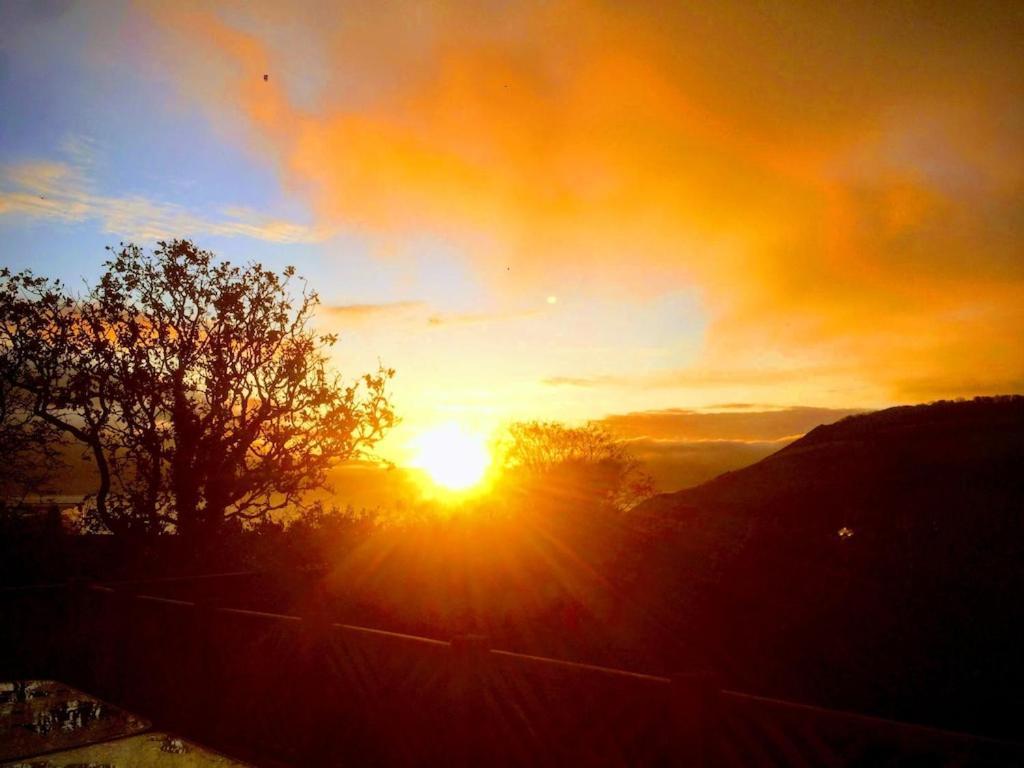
x=875 y=564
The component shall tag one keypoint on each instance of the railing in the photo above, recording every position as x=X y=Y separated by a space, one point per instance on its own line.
x=303 y=690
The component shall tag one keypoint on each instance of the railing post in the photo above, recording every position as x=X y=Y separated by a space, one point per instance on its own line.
x=316 y=617
x=202 y=693
x=118 y=652
x=315 y=739
x=469 y=699
x=74 y=650
x=694 y=717
x=76 y=597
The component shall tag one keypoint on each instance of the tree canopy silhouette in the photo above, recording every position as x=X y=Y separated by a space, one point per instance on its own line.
x=586 y=465
x=29 y=447
x=197 y=386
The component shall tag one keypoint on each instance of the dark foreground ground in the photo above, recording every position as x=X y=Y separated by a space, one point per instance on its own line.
x=872 y=566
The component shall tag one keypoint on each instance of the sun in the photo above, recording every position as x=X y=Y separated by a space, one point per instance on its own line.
x=454 y=458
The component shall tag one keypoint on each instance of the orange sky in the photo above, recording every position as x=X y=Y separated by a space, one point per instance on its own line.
x=790 y=204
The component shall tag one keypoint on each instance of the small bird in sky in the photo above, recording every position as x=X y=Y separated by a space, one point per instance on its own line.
x=266 y=78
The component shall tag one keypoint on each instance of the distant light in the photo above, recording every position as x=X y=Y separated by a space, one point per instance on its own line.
x=552 y=299
x=845 y=533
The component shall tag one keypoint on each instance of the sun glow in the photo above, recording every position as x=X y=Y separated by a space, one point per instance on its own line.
x=454 y=458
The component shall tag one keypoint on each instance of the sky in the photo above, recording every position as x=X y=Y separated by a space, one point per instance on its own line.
x=637 y=212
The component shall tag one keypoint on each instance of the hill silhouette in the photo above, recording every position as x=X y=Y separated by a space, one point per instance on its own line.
x=873 y=564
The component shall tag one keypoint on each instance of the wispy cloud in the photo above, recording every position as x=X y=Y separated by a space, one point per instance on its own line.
x=680 y=424
x=476 y=318
x=698 y=378
x=586 y=381
x=417 y=313
x=64 y=191
x=365 y=312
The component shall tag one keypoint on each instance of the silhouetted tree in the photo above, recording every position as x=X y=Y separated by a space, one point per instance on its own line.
x=29 y=448
x=587 y=464
x=198 y=386
x=37 y=350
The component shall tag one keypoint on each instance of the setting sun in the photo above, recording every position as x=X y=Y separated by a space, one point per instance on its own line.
x=453 y=457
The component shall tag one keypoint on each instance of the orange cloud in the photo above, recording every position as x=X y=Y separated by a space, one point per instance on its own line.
x=841 y=184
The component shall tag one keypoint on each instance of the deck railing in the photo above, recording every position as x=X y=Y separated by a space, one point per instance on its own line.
x=304 y=690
